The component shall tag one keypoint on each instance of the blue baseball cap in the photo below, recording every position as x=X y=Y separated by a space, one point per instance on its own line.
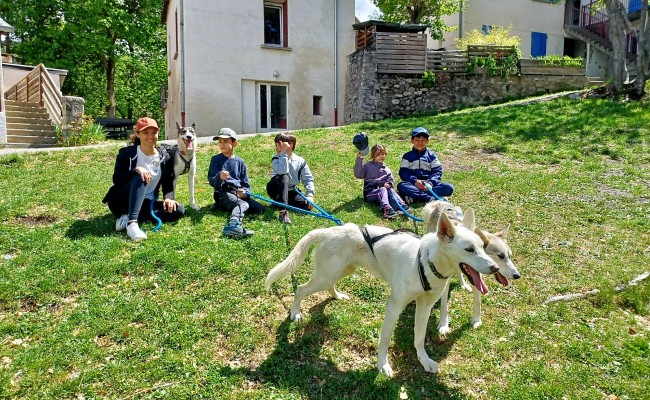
x=419 y=131
x=360 y=141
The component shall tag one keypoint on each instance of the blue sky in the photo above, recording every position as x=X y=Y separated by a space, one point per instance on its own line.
x=363 y=9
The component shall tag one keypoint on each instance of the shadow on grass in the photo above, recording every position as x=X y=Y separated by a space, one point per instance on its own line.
x=99 y=227
x=296 y=363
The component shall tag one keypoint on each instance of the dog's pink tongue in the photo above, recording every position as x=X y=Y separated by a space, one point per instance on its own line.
x=478 y=281
x=501 y=279
x=188 y=144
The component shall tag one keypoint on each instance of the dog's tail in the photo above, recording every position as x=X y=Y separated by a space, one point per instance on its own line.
x=296 y=257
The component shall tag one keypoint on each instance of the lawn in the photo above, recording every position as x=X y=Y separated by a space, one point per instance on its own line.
x=86 y=313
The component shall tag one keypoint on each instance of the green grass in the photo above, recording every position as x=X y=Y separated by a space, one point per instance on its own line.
x=184 y=314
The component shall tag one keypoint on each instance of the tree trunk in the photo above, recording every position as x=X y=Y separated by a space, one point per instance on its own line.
x=616 y=13
x=110 y=87
x=643 y=53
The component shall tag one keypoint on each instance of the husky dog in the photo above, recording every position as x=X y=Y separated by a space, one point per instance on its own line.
x=497 y=249
x=416 y=269
x=185 y=159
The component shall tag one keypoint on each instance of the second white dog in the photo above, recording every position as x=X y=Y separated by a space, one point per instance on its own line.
x=416 y=269
x=497 y=248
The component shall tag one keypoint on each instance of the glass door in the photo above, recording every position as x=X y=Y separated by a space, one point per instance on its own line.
x=272 y=106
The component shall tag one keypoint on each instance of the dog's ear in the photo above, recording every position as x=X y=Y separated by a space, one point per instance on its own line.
x=483 y=237
x=193 y=125
x=446 y=229
x=469 y=221
x=503 y=232
x=178 y=127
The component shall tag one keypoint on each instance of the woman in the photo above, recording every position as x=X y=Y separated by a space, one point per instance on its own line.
x=140 y=170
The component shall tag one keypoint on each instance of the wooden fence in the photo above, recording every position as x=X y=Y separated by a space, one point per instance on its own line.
x=452 y=61
x=401 y=52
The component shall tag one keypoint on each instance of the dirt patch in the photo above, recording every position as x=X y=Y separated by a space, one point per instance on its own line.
x=35 y=220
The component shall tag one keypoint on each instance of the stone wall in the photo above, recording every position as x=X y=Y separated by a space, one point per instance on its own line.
x=371 y=96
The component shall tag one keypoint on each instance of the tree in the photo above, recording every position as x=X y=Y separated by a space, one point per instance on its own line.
x=89 y=38
x=429 y=12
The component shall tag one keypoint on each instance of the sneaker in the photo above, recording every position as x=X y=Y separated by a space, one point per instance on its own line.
x=121 y=222
x=283 y=216
x=408 y=199
x=389 y=213
x=236 y=230
x=135 y=233
x=406 y=208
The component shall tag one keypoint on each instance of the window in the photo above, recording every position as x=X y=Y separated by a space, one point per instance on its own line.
x=318 y=105
x=275 y=24
x=486 y=29
x=272 y=106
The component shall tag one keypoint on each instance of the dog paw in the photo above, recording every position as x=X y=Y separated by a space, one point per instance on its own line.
x=444 y=330
x=386 y=370
x=429 y=365
x=476 y=323
x=297 y=317
x=195 y=207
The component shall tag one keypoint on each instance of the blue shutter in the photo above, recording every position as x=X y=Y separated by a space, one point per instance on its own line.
x=538 y=44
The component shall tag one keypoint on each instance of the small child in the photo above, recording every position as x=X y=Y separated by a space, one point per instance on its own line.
x=288 y=170
x=420 y=166
x=378 y=181
x=228 y=176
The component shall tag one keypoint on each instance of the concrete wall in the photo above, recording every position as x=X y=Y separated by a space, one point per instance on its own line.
x=13 y=73
x=225 y=60
x=377 y=96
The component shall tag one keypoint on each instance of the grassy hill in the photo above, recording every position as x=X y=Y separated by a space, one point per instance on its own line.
x=86 y=313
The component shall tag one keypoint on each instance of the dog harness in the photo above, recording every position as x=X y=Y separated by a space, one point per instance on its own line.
x=423 y=279
x=177 y=150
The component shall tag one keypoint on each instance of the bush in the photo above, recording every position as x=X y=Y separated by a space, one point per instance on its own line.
x=496 y=36
x=80 y=133
x=495 y=65
x=560 y=61
x=428 y=79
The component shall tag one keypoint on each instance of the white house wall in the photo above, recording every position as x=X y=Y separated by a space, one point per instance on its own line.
x=225 y=58
x=523 y=16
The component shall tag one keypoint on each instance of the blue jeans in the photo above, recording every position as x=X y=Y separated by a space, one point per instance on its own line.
x=408 y=189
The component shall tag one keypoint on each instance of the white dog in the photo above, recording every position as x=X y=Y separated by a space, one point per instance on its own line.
x=497 y=249
x=185 y=159
x=416 y=269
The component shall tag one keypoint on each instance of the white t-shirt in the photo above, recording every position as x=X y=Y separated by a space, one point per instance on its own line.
x=151 y=164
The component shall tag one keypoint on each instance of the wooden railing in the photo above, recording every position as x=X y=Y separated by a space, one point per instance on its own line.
x=401 y=52
x=38 y=87
x=452 y=61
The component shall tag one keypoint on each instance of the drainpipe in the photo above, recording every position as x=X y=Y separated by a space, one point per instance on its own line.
x=336 y=72
x=182 y=41
x=460 y=20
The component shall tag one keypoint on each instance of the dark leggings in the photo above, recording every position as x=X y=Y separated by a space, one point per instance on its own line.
x=278 y=190
x=129 y=199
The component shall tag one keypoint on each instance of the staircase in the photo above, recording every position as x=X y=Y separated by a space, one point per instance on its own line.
x=28 y=125
x=593 y=38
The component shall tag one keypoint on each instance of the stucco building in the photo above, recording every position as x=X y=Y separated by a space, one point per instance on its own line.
x=256 y=66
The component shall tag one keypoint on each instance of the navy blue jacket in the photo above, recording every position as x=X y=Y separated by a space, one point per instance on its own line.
x=420 y=165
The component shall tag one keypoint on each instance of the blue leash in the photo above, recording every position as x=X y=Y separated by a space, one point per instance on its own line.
x=321 y=214
x=155 y=217
x=431 y=192
x=399 y=205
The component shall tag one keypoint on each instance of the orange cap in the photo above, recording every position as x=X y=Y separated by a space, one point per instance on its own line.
x=145 y=122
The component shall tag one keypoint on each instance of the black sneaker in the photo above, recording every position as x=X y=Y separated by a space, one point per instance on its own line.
x=283 y=216
x=389 y=213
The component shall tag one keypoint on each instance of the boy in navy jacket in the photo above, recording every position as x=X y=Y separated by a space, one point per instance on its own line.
x=420 y=166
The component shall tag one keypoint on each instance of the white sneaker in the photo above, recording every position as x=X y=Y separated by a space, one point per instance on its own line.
x=121 y=222
x=135 y=233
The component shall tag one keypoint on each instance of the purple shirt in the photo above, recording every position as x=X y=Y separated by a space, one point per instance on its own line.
x=373 y=173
